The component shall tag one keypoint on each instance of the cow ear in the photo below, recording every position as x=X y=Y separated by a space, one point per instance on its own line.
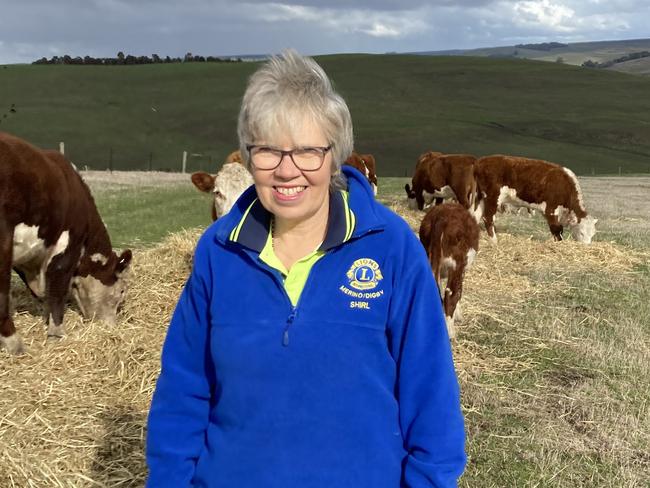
x=203 y=181
x=123 y=262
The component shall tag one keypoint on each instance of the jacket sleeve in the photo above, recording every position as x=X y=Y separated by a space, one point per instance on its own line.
x=178 y=417
x=427 y=388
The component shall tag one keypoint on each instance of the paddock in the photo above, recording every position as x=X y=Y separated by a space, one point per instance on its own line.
x=548 y=329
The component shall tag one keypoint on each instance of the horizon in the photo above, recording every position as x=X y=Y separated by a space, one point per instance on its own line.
x=253 y=56
x=33 y=29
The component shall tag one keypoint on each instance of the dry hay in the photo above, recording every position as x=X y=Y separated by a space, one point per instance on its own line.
x=72 y=412
x=514 y=271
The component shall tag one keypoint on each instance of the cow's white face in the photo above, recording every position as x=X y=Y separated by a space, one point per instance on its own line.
x=96 y=300
x=585 y=230
x=229 y=183
x=412 y=203
x=223 y=202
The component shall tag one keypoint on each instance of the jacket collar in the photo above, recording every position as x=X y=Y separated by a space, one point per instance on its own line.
x=350 y=215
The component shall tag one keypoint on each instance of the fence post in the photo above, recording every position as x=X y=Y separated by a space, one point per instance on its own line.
x=150 y=160
x=619 y=171
x=62 y=147
x=184 y=161
x=110 y=160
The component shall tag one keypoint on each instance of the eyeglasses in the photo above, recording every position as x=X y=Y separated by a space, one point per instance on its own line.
x=305 y=158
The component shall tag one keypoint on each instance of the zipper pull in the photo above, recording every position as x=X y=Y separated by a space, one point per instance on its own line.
x=285 y=334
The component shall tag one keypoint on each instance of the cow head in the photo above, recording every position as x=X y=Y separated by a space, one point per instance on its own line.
x=410 y=196
x=99 y=286
x=584 y=230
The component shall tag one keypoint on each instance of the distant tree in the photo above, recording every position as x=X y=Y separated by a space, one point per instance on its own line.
x=188 y=57
x=559 y=59
x=589 y=64
x=155 y=58
x=120 y=58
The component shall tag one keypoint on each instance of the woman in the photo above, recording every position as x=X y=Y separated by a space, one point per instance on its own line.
x=308 y=348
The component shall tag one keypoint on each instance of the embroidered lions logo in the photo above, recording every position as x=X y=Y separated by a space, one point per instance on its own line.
x=364 y=274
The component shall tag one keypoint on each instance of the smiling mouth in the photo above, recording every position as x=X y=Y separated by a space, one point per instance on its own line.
x=294 y=190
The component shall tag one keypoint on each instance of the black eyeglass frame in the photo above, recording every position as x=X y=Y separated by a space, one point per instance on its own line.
x=324 y=150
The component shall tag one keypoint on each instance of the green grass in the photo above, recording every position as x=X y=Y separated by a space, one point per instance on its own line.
x=578 y=414
x=553 y=354
x=142 y=217
x=589 y=120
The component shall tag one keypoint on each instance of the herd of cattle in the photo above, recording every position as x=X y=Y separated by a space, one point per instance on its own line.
x=483 y=186
x=52 y=235
x=449 y=232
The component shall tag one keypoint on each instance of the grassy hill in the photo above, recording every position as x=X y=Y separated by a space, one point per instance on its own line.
x=573 y=53
x=136 y=117
x=634 y=66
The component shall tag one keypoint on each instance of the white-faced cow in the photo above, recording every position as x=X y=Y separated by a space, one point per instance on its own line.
x=52 y=236
x=442 y=176
x=450 y=236
x=535 y=184
x=227 y=185
x=366 y=164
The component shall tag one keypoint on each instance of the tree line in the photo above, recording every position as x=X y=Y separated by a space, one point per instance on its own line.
x=542 y=46
x=606 y=64
x=129 y=59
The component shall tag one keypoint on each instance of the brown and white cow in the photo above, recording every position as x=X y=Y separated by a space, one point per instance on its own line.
x=52 y=235
x=450 y=236
x=227 y=185
x=548 y=187
x=366 y=164
x=442 y=176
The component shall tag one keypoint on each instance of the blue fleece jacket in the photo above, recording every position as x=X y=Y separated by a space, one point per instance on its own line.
x=353 y=387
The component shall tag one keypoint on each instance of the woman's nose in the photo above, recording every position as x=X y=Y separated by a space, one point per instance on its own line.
x=287 y=168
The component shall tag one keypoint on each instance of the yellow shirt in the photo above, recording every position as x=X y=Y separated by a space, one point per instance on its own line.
x=294 y=279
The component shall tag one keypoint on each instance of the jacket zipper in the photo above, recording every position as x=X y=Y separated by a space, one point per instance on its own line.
x=290 y=319
x=294 y=309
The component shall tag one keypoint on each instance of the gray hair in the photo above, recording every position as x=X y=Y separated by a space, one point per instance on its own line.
x=281 y=93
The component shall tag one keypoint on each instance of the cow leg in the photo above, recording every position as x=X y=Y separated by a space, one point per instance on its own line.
x=8 y=336
x=554 y=225
x=489 y=211
x=57 y=282
x=453 y=292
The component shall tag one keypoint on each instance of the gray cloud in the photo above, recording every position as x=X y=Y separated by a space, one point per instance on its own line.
x=31 y=29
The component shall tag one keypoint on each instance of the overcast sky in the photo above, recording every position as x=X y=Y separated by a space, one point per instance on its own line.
x=31 y=29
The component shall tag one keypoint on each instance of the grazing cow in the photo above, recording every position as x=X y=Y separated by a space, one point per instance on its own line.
x=229 y=182
x=420 y=175
x=366 y=164
x=53 y=237
x=442 y=176
x=535 y=184
x=449 y=234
